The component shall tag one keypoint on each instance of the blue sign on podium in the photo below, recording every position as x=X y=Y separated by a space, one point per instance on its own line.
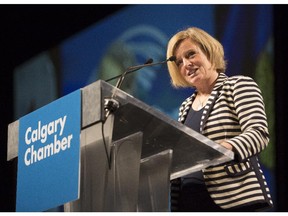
x=49 y=155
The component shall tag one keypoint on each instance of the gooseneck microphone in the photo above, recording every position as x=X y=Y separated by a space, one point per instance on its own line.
x=131 y=69
x=110 y=104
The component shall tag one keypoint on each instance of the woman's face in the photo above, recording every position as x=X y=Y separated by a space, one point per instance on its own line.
x=193 y=64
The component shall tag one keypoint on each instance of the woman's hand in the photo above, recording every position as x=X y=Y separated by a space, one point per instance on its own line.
x=227 y=145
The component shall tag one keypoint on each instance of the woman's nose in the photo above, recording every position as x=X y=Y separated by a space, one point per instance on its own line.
x=187 y=62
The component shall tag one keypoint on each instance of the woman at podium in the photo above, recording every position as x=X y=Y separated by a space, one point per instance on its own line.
x=228 y=110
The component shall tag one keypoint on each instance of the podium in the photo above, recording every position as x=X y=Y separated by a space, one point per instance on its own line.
x=128 y=159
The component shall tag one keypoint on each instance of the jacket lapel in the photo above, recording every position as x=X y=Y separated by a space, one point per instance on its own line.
x=212 y=98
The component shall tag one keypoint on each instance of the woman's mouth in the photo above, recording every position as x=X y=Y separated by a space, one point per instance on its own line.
x=191 y=72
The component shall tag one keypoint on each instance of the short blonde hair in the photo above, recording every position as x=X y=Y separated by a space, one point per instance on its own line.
x=211 y=47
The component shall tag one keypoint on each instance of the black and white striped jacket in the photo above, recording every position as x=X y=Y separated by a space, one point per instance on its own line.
x=235 y=112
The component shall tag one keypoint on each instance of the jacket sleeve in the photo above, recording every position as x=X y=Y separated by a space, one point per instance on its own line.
x=250 y=110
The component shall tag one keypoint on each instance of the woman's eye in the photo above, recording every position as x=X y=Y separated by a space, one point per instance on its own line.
x=191 y=54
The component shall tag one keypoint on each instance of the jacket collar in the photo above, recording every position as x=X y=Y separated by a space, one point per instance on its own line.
x=220 y=81
x=211 y=100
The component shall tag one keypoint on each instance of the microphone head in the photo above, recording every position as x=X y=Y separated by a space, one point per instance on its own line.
x=172 y=58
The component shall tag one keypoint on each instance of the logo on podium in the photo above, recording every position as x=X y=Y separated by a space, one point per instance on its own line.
x=49 y=154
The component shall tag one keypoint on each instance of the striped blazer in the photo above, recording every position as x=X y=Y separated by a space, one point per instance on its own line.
x=235 y=113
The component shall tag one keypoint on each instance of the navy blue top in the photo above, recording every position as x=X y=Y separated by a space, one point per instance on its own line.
x=193 y=121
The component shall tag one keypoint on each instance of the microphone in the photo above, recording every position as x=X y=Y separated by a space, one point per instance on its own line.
x=110 y=104
x=131 y=69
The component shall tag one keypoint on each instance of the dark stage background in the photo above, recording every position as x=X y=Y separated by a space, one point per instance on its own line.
x=255 y=38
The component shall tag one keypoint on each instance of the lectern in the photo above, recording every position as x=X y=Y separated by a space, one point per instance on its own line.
x=128 y=159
